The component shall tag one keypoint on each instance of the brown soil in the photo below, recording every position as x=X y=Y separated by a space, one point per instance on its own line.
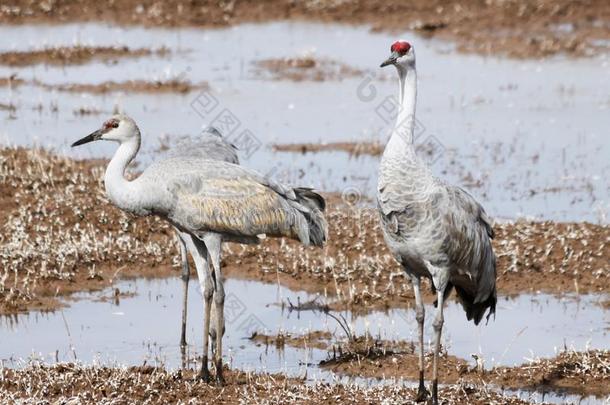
x=583 y=373
x=529 y=28
x=304 y=69
x=315 y=339
x=75 y=55
x=586 y=373
x=60 y=234
x=399 y=365
x=372 y=148
x=12 y=81
x=132 y=86
x=353 y=148
x=71 y=383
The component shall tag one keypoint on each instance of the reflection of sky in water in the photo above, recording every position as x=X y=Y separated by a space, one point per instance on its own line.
x=534 y=133
x=146 y=327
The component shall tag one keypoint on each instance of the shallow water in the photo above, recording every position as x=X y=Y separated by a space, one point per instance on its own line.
x=145 y=327
x=557 y=398
x=533 y=133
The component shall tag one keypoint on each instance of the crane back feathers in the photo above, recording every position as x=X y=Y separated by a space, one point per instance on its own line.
x=227 y=199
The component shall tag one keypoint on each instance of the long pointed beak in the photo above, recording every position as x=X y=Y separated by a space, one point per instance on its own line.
x=390 y=60
x=94 y=136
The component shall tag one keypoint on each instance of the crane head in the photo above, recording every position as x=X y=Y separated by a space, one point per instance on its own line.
x=402 y=54
x=119 y=128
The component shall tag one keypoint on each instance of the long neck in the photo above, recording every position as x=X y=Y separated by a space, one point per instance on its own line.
x=121 y=191
x=401 y=140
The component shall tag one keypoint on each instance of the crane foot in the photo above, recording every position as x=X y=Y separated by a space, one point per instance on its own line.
x=422 y=395
x=220 y=380
x=204 y=374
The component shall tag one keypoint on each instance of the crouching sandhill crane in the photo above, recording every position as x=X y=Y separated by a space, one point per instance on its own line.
x=211 y=145
x=433 y=229
x=210 y=201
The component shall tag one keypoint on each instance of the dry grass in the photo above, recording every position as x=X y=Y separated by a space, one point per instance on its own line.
x=581 y=372
x=130 y=86
x=314 y=339
x=306 y=68
x=60 y=234
x=75 y=384
x=74 y=55
x=518 y=28
x=58 y=229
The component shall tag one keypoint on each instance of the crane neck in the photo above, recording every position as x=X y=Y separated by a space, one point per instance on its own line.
x=401 y=139
x=118 y=189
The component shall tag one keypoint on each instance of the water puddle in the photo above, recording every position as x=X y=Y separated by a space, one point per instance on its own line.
x=556 y=398
x=143 y=325
x=528 y=138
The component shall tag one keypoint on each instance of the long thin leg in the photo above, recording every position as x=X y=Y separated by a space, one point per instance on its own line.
x=213 y=243
x=422 y=393
x=200 y=253
x=185 y=282
x=438 y=328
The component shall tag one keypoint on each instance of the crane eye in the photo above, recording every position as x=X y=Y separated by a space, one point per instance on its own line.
x=115 y=124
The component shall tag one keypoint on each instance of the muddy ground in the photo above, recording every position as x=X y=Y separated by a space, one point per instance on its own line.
x=312 y=339
x=60 y=235
x=305 y=68
x=582 y=373
x=353 y=148
x=129 y=86
x=71 y=383
x=531 y=28
x=75 y=55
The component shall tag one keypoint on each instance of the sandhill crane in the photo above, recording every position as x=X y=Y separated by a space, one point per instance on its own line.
x=211 y=202
x=211 y=145
x=433 y=229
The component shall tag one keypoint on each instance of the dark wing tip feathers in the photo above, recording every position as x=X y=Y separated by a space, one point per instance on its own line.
x=308 y=193
x=318 y=227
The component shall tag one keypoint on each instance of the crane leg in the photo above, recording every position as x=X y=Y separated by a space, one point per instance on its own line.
x=438 y=327
x=213 y=243
x=185 y=281
x=200 y=254
x=422 y=393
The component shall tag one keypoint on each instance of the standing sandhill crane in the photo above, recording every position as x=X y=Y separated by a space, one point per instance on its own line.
x=210 y=146
x=211 y=202
x=433 y=229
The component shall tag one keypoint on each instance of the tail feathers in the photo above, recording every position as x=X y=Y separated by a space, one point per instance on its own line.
x=315 y=204
x=476 y=310
x=310 y=199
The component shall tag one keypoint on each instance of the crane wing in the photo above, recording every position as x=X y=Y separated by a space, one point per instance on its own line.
x=467 y=234
x=212 y=196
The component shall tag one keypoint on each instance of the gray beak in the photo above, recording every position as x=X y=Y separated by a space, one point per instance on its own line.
x=89 y=138
x=391 y=60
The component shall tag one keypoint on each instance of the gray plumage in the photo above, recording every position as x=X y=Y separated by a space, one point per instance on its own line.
x=208 y=202
x=210 y=145
x=434 y=230
x=200 y=195
x=432 y=227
